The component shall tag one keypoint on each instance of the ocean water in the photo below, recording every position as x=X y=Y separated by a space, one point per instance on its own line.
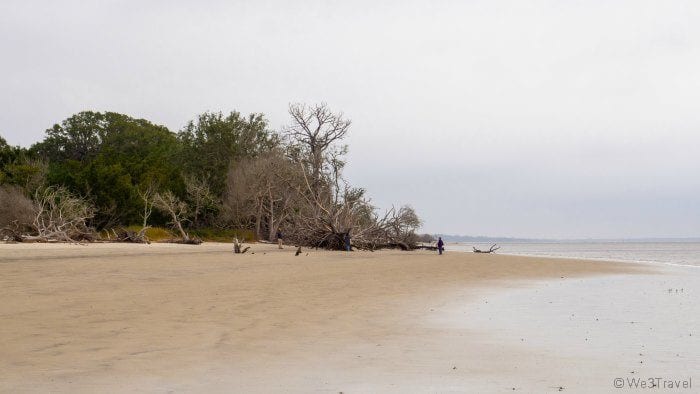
x=671 y=253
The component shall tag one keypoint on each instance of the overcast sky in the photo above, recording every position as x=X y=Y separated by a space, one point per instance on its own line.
x=558 y=119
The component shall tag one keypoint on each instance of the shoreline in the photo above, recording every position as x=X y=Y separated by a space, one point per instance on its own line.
x=587 y=258
x=264 y=244
x=117 y=320
x=586 y=334
x=603 y=259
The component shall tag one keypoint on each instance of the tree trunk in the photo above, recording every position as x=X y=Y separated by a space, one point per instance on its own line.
x=185 y=237
x=258 y=220
x=271 y=230
x=195 y=221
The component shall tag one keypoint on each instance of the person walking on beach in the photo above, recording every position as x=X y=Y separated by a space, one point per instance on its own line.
x=347 y=241
x=279 y=238
x=440 y=245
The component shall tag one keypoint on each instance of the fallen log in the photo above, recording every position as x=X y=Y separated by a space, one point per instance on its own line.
x=125 y=235
x=56 y=237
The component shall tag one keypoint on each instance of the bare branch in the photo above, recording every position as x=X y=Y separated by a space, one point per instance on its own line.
x=175 y=208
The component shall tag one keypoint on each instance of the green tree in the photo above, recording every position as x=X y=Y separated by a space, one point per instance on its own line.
x=5 y=158
x=77 y=138
x=106 y=156
x=213 y=141
x=3 y=147
x=20 y=167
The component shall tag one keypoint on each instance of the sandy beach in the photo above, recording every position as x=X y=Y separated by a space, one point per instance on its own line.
x=176 y=318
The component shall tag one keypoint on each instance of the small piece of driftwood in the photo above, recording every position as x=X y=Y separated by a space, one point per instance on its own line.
x=491 y=249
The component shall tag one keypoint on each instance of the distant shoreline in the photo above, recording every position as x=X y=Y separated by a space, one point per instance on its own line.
x=680 y=254
x=462 y=239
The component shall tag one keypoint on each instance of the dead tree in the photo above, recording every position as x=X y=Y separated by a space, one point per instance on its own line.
x=314 y=130
x=147 y=195
x=244 y=200
x=400 y=225
x=303 y=188
x=259 y=195
x=61 y=216
x=329 y=207
x=492 y=249
x=200 y=196
x=323 y=221
x=177 y=210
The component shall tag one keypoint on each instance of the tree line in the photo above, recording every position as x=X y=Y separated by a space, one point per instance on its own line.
x=103 y=171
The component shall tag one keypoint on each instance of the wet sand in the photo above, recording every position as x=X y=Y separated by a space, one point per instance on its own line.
x=162 y=318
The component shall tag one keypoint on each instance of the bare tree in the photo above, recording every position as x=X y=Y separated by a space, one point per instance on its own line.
x=147 y=195
x=400 y=225
x=303 y=189
x=176 y=209
x=314 y=130
x=326 y=205
x=244 y=200
x=261 y=192
x=323 y=219
x=329 y=209
x=200 y=196
x=281 y=197
x=402 y=222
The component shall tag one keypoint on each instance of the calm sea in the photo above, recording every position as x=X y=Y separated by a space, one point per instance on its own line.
x=675 y=253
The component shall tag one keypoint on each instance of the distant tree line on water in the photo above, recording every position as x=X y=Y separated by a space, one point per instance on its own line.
x=97 y=174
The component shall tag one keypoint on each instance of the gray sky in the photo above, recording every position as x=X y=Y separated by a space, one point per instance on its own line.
x=513 y=118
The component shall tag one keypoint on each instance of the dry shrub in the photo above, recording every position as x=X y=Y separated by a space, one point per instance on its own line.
x=16 y=210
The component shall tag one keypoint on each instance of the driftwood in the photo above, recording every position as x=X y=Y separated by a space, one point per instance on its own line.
x=9 y=234
x=237 y=247
x=426 y=247
x=125 y=235
x=491 y=249
x=12 y=232
x=188 y=241
x=60 y=217
x=57 y=237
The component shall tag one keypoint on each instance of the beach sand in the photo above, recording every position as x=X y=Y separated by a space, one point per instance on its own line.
x=183 y=318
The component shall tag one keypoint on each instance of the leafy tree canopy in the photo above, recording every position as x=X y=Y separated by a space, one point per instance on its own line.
x=106 y=156
x=213 y=141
